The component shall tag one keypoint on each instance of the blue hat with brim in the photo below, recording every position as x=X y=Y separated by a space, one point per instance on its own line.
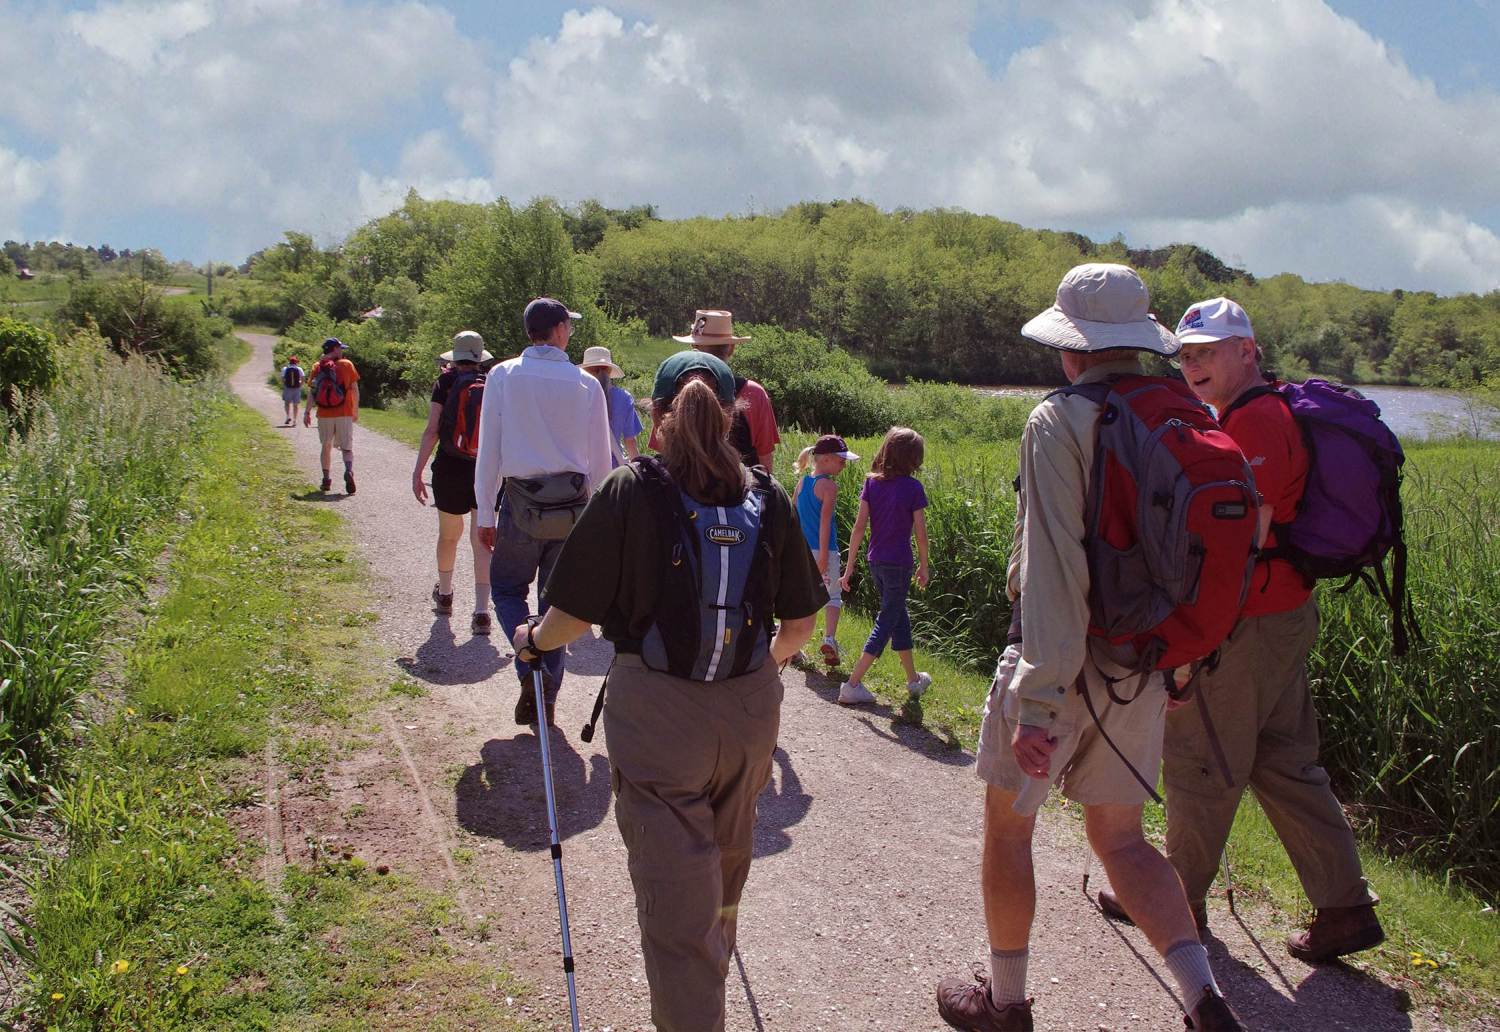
x=671 y=373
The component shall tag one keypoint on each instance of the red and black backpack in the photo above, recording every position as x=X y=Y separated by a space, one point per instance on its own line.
x=1172 y=518
x=458 y=427
x=327 y=392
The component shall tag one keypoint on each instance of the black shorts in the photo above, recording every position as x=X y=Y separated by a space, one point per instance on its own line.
x=453 y=484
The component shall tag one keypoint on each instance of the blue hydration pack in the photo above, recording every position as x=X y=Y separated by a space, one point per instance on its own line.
x=713 y=620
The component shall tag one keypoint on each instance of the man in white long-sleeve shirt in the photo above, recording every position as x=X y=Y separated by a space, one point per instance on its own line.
x=541 y=416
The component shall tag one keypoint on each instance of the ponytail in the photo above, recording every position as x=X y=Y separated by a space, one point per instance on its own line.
x=695 y=446
x=803 y=458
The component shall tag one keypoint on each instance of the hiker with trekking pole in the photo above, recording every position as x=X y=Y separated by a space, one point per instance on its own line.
x=1329 y=510
x=687 y=562
x=1118 y=472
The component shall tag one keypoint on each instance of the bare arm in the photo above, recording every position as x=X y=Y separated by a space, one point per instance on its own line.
x=632 y=450
x=791 y=635
x=354 y=393
x=556 y=630
x=828 y=493
x=856 y=536
x=919 y=524
x=765 y=459
x=424 y=450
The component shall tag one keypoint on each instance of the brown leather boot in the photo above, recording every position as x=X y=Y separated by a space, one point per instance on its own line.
x=1337 y=931
x=1115 y=911
x=1213 y=1015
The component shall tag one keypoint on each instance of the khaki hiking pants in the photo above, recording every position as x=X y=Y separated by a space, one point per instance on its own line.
x=688 y=760
x=1262 y=709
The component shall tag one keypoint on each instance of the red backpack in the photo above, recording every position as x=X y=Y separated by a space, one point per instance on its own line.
x=327 y=392
x=1172 y=518
x=458 y=427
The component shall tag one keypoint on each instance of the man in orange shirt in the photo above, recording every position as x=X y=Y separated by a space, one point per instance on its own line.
x=1258 y=696
x=334 y=390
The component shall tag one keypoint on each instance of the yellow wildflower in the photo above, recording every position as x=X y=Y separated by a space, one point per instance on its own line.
x=182 y=969
x=130 y=711
x=57 y=996
x=120 y=966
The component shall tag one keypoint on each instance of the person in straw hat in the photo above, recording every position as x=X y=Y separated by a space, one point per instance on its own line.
x=752 y=428
x=453 y=475
x=1036 y=728
x=624 y=420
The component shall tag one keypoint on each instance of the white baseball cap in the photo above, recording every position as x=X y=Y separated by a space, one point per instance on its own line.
x=1213 y=320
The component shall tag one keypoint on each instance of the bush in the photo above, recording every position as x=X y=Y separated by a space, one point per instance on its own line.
x=813 y=385
x=135 y=320
x=387 y=368
x=27 y=360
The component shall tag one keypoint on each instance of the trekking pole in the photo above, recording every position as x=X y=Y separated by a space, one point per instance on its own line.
x=1228 y=884
x=543 y=734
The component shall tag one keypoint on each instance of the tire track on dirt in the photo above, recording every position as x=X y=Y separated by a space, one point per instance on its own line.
x=865 y=887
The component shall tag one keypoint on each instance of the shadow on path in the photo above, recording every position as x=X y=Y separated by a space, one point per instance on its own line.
x=779 y=809
x=442 y=659
x=502 y=795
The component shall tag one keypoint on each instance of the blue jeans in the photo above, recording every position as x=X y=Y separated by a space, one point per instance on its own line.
x=892 y=624
x=518 y=560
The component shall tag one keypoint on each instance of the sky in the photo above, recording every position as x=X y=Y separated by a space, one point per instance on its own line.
x=1353 y=139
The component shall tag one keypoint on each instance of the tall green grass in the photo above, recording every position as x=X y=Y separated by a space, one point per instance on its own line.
x=101 y=463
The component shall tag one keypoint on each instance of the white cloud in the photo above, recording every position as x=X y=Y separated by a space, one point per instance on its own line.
x=20 y=185
x=134 y=33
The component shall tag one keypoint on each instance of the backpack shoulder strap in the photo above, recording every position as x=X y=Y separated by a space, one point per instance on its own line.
x=757 y=599
x=1248 y=397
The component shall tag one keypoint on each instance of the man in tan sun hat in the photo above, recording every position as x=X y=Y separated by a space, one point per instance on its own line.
x=1037 y=728
x=624 y=420
x=752 y=429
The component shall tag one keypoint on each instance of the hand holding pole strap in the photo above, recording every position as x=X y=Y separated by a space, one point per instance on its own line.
x=530 y=653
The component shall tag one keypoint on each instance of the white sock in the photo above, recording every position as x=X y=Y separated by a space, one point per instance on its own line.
x=445 y=582
x=1008 y=977
x=481 y=598
x=1188 y=962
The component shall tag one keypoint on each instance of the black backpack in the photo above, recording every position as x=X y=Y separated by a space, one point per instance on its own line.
x=458 y=426
x=291 y=376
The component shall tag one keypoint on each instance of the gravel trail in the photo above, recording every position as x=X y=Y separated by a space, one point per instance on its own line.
x=865 y=885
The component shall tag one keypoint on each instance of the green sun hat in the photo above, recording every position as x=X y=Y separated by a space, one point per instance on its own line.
x=670 y=373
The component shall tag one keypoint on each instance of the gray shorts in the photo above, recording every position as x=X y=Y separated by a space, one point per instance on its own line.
x=1084 y=766
x=292 y=395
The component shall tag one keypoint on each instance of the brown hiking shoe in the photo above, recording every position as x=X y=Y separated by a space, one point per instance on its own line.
x=967 y=1005
x=1336 y=931
x=1213 y=1015
x=1110 y=904
x=441 y=604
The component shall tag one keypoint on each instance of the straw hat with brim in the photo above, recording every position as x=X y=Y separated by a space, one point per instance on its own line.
x=468 y=346
x=1101 y=306
x=711 y=326
x=597 y=356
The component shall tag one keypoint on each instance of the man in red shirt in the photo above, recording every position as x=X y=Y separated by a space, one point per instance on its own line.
x=1258 y=694
x=752 y=428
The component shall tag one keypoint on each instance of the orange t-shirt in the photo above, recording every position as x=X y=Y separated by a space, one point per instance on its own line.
x=1268 y=435
x=348 y=376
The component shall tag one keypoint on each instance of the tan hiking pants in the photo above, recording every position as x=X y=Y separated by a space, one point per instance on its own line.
x=1262 y=709
x=688 y=760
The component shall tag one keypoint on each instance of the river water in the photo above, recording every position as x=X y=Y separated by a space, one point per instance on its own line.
x=1413 y=413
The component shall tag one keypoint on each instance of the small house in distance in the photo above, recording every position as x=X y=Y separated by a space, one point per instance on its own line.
x=23 y=272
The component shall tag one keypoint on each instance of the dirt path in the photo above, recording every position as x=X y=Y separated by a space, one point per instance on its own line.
x=865 y=885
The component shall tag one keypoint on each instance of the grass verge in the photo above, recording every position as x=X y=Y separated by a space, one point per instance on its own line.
x=153 y=916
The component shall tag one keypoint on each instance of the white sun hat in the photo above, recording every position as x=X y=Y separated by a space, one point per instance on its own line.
x=1213 y=320
x=1101 y=306
x=597 y=356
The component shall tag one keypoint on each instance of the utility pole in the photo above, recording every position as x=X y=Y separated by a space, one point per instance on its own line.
x=210 y=277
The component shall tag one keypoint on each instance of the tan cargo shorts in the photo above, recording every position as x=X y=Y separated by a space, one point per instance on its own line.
x=338 y=429
x=1083 y=766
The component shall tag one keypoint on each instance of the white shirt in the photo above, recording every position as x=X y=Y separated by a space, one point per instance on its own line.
x=541 y=414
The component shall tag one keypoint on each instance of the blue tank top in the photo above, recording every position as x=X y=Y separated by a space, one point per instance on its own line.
x=810 y=513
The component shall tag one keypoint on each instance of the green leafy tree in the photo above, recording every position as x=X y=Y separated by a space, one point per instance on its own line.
x=28 y=360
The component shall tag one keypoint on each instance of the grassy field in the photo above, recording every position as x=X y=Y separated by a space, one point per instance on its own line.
x=147 y=912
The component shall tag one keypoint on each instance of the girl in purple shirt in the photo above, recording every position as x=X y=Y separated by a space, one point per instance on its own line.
x=891 y=505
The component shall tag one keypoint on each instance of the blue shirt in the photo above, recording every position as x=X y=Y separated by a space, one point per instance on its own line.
x=810 y=512
x=624 y=420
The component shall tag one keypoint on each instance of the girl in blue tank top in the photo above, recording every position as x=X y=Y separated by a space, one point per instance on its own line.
x=816 y=499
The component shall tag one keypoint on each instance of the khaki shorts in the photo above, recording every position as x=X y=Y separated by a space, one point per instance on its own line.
x=832 y=580
x=1084 y=766
x=338 y=429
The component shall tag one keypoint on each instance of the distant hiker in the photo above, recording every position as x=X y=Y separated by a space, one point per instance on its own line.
x=451 y=439
x=335 y=393
x=544 y=434
x=752 y=429
x=1037 y=728
x=624 y=420
x=1257 y=695
x=291 y=389
x=890 y=504
x=816 y=499
x=687 y=563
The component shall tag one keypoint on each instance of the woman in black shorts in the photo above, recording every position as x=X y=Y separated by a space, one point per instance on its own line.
x=453 y=476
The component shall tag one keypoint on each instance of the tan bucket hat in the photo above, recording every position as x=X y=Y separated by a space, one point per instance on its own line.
x=711 y=326
x=597 y=356
x=468 y=346
x=1101 y=306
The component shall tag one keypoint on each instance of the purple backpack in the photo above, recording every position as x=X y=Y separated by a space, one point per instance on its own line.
x=1349 y=517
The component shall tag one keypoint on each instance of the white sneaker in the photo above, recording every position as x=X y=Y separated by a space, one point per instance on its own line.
x=851 y=694
x=920 y=685
x=830 y=652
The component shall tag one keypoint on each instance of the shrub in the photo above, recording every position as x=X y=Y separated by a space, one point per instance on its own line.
x=813 y=385
x=27 y=360
x=132 y=316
